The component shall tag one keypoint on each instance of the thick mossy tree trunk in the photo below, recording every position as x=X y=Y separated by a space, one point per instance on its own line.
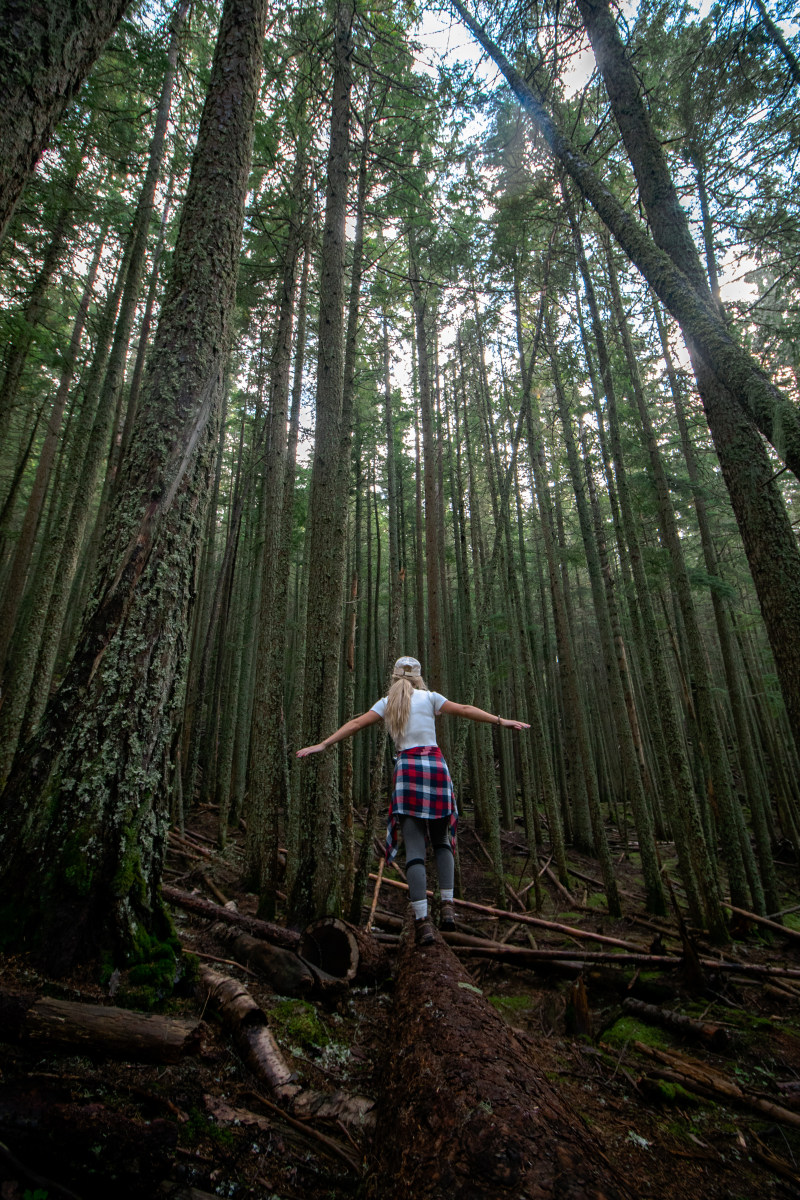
x=46 y=51
x=85 y=811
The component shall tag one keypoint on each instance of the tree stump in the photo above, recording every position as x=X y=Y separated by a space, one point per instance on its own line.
x=463 y=1111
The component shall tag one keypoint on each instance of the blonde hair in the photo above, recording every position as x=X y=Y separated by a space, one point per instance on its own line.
x=406 y=678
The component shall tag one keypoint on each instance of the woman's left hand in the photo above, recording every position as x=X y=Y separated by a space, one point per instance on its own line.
x=507 y=723
x=311 y=750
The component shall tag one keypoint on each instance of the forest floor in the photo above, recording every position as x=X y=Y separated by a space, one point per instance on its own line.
x=670 y=1113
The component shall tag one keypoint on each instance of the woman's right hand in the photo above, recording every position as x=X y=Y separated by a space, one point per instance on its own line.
x=311 y=750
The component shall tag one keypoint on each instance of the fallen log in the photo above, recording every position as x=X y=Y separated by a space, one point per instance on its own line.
x=463 y=1111
x=287 y=938
x=525 y=956
x=784 y=930
x=97 y=1029
x=705 y=1080
x=715 y=1036
x=282 y=969
x=343 y=951
x=248 y=1023
x=250 y=1028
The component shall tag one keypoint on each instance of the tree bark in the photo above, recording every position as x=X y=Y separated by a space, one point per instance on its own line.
x=86 y=810
x=97 y=1029
x=463 y=1111
x=315 y=887
x=46 y=51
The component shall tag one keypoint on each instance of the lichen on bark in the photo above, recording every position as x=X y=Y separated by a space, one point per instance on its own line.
x=85 y=809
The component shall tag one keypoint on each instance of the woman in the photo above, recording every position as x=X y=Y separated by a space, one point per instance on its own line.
x=422 y=791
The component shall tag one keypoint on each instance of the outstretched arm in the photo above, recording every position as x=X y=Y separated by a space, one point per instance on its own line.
x=478 y=714
x=347 y=730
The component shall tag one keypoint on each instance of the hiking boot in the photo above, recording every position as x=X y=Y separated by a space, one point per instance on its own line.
x=447 y=916
x=424 y=931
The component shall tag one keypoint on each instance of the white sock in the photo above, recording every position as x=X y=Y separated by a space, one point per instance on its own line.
x=446 y=893
x=420 y=908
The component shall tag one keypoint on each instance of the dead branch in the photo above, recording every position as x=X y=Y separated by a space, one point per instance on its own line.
x=539 y=922
x=783 y=930
x=212 y=887
x=225 y=1114
x=700 y=1077
x=214 y=912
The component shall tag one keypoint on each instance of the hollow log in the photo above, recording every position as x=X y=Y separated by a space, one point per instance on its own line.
x=715 y=1036
x=97 y=1029
x=463 y=1111
x=282 y=969
x=344 y=951
x=287 y=938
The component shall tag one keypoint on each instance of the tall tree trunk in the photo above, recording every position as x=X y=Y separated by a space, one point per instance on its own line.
x=615 y=668
x=434 y=668
x=86 y=810
x=26 y=681
x=17 y=353
x=115 y=370
x=268 y=736
x=46 y=51
x=740 y=374
x=315 y=882
x=693 y=851
x=33 y=511
x=769 y=540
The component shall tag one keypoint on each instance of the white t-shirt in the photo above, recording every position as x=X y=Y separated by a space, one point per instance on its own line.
x=421 y=727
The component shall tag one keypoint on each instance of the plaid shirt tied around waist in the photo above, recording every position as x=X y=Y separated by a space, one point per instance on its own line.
x=421 y=787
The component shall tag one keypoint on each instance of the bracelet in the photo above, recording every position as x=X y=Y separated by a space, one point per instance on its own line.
x=499 y=720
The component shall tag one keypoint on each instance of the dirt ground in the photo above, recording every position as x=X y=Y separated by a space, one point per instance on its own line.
x=73 y=1125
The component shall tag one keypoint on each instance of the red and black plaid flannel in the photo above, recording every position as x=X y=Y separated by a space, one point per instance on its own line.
x=422 y=787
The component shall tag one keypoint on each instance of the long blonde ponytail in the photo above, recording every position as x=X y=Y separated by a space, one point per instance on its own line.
x=406 y=678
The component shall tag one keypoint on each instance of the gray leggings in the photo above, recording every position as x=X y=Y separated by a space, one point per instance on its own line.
x=413 y=830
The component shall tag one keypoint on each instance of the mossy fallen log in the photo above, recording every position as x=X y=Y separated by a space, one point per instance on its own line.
x=463 y=1111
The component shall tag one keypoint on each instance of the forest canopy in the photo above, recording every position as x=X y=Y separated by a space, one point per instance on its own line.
x=333 y=333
